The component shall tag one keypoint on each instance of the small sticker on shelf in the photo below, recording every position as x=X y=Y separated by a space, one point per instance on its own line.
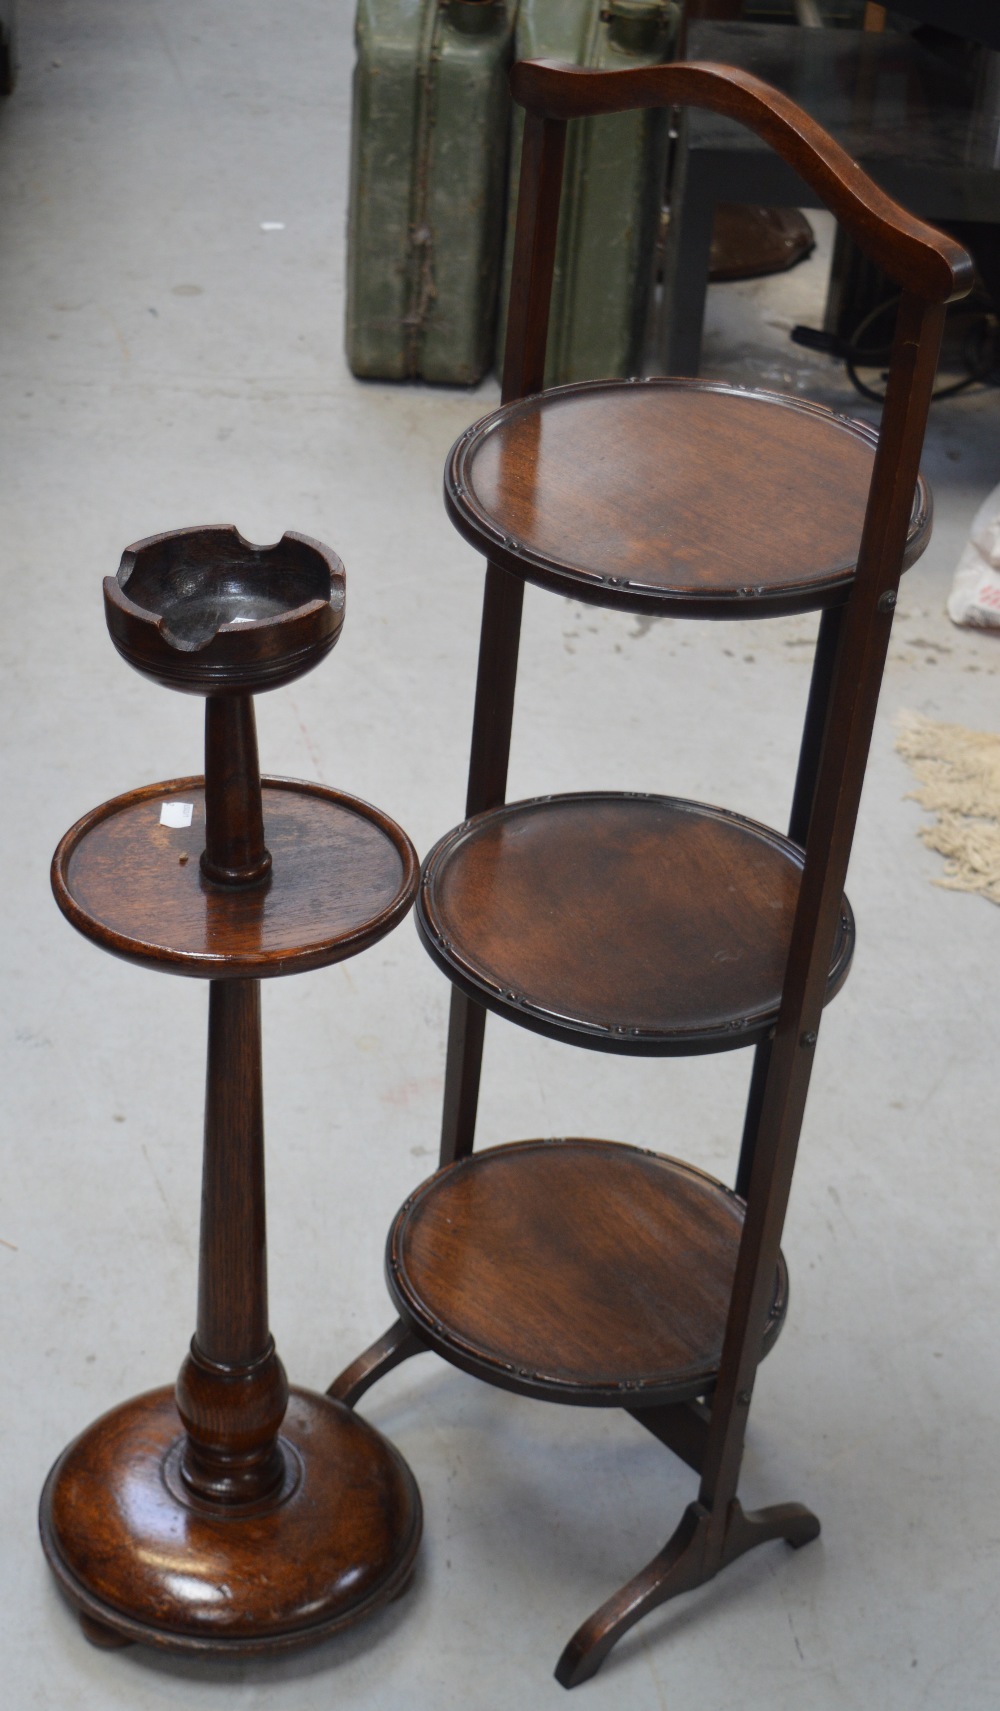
x=176 y=813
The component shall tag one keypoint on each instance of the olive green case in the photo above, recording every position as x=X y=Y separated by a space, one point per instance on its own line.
x=430 y=127
x=612 y=187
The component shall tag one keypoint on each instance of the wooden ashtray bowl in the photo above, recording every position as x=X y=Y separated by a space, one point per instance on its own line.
x=205 y=611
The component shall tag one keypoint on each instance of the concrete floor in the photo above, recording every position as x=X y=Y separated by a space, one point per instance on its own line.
x=165 y=361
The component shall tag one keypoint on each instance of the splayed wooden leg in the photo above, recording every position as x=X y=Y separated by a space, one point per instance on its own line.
x=397 y=1345
x=104 y=1638
x=792 y=1522
x=690 y=1558
x=678 y=1567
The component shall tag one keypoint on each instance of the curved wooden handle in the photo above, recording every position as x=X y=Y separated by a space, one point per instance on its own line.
x=916 y=256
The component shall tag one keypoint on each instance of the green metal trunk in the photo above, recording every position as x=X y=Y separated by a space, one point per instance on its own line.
x=427 y=196
x=612 y=188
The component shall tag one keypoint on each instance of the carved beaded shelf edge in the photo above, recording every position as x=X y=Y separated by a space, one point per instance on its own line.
x=305 y=915
x=421 y=1279
x=485 y=529
x=500 y=982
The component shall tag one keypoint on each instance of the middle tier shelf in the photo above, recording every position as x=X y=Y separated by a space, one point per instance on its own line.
x=640 y=924
x=343 y=874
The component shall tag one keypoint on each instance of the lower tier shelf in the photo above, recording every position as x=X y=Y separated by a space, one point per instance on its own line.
x=343 y=874
x=647 y=925
x=142 y=1559
x=577 y=1271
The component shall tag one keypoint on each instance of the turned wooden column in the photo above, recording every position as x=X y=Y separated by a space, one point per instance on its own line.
x=234 y=851
x=232 y=1391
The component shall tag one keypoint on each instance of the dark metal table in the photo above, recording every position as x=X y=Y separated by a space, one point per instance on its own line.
x=928 y=131
x=977 y=19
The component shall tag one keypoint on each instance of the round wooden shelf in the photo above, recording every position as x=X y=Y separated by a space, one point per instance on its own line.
x=343 y=874
x=610 y=492
x=626 y=923
x=574 y=1270
x=143 y=1560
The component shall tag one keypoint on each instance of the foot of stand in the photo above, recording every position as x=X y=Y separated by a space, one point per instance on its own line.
x=687 y=1561
x=792 y=1522
x=397 y=1345
x=143 y=1558
x=105 y=1639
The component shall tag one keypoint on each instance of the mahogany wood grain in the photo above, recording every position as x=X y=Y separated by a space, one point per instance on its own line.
x=579 y=1271
x=610 y=491
x=638 y=924
x=343 y=875
x=137 y=1553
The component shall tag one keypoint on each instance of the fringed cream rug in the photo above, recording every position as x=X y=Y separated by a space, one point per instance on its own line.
x=959 y=773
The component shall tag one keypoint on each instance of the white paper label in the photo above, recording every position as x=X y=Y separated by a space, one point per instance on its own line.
x=176 y=813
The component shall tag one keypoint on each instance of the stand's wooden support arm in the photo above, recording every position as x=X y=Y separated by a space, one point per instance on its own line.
x=397 y=1345
x=683 y=1427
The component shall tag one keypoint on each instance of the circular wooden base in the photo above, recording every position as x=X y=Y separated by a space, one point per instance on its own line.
x=576 y=1271
x=140 y=1557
